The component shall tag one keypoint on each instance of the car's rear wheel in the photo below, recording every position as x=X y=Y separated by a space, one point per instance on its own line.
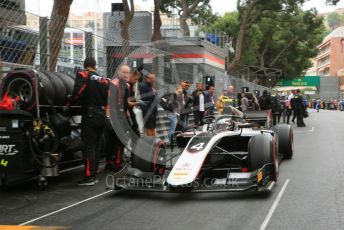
x=149 y=155
x=261 y=151
x=285 y=140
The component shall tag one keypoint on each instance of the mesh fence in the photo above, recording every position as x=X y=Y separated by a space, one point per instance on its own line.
x=36 y=42
x=30 y=41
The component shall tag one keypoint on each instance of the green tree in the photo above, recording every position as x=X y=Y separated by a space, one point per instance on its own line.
x=287 y=47
x=251 y=12
x=204 y=13
x=284 y=39
x=185 y=9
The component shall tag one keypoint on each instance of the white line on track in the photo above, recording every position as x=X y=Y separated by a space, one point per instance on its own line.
x=71 y=169
x=274 y=206
x=62 y=209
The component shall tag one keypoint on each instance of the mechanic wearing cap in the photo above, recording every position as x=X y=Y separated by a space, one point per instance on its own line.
x=91 y=90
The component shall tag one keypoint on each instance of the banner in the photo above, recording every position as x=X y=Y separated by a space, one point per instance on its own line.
x=303 y=81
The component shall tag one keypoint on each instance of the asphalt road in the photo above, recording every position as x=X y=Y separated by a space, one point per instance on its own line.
x=309 y=195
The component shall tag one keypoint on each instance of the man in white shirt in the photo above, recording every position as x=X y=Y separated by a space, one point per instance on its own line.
x=198 y=104
x=289 y=105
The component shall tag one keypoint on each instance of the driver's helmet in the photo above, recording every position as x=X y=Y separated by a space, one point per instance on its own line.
x=223 y=124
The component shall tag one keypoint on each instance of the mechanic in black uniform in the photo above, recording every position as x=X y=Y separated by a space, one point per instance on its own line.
x=92 y=91
x=264 y=101
x=298 y=108
x=275 y=109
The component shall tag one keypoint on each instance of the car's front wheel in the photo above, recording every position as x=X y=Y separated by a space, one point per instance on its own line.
x=285 y=140
x=149 y=155
x=262 y=150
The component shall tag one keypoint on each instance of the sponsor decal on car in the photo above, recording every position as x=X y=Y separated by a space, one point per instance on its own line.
x=8 y=150
x=182 y=172
x=185 y=167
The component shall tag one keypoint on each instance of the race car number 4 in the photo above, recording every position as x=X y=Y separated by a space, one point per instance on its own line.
x=198 y=147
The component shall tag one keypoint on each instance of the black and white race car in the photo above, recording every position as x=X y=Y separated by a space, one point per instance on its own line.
x=230 y=153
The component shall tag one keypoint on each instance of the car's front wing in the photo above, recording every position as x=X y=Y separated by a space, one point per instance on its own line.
x=259 y=180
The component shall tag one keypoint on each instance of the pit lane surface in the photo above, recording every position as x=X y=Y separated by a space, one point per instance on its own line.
x=312 y=196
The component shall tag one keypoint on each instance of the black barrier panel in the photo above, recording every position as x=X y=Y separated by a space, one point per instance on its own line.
x=16 y=162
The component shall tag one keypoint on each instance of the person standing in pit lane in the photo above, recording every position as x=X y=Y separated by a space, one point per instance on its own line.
x=198 y=104
x=132 y=101
x=299 y=108
x=318 y=105
x=116 y=123
x=290 y=105
x=91 y=90
x=149 y=96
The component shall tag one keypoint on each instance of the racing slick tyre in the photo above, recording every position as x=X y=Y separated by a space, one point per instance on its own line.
x=262 y=150
x=285 y=140
x=149 y=155
x=59 y=88
x=53 y=88
x=21 y=86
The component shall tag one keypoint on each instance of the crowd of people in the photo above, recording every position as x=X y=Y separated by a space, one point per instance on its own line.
x=327 y=104
x=180 y=104
x=108 y=111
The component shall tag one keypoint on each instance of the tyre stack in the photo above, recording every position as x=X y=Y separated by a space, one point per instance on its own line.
x=53 y=88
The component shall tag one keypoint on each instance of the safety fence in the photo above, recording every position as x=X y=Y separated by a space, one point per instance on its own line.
x=58 y=44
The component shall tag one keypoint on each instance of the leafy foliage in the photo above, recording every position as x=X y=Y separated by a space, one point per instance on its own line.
x=186 y=9
x=279 y=36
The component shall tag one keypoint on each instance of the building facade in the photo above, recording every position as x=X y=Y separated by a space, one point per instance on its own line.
x=330 y=57
x=331 y=54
